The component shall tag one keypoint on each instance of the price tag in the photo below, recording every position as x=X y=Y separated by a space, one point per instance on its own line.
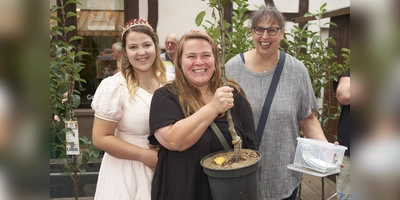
x=72 y=138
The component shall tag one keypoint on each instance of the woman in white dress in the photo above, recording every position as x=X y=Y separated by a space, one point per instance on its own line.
x=121 y=123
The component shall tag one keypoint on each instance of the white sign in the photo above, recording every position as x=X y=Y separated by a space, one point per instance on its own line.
x=72 y=138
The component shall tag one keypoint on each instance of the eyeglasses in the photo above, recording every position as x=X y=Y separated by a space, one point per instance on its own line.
x=270 y=30
x=170 y=43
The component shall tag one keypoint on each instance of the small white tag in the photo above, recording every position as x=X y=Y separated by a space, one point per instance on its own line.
x=72 y=138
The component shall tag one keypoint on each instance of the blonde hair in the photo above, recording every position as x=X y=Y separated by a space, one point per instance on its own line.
x=128 y=71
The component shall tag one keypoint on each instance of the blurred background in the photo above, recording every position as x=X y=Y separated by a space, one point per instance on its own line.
x=376 y=94
x=24 y=81
x=24 y=59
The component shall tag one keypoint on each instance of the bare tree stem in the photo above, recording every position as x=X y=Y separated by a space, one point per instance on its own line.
x=236 y=140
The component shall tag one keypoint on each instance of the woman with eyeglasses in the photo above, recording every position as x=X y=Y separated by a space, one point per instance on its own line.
x=291 y=106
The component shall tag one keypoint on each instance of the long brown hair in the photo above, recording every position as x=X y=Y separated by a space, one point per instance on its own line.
x=189 y=97
x=127 y=69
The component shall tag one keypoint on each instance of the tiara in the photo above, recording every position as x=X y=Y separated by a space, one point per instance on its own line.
x=134 y=22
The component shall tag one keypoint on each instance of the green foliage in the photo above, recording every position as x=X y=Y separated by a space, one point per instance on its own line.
x=238 y=37
x=64 y=73
x=314 y=52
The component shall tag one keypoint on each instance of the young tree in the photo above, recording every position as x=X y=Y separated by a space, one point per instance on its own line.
x=64 y=98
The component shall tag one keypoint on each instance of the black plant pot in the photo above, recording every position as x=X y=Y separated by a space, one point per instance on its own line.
x=232 y=184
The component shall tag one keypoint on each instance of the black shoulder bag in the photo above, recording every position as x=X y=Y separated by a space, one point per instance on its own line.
x=270 y=97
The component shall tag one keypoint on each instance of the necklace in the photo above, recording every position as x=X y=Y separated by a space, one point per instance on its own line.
x=148 y=85
x=255 y=56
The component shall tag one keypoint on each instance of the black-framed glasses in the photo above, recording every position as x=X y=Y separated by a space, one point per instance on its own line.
x=270 y=30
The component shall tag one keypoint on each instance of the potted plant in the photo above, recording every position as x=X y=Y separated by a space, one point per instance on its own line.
x=231 y=173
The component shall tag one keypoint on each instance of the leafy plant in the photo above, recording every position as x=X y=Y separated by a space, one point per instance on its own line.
x=64 y=98
x=237 y=37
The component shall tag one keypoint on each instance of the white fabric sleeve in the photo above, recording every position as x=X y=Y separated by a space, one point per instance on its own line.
x=107 y=101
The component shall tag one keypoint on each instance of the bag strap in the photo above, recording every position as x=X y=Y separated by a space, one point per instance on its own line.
x=220 y=136
x=269 y=97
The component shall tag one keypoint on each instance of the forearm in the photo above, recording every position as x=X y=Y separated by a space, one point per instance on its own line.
x=343 y=91
x=103 y=138
x=122 y=149
x=312 y=128
x=186 y=132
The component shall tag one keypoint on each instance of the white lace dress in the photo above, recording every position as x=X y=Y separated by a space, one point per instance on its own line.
x=121 y=179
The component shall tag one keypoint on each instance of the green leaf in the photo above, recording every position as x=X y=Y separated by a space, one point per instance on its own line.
x=200 y=17
x=216 y=33
x=322 y=6
x=81 y=80
x=73 y=1
x=71 y=14
x=308 y=14
x=227 y=25
x=81 y=53
x=84 y=139
x=213 y=3
x=55 y=18
x=346 y=50
x=59 y=33
x=85 y=155
x=306 y=26
x=70 y=28
x=331 y=40
x=213 y=14
x=54 y=8
x=330 y=23
x=75 y=38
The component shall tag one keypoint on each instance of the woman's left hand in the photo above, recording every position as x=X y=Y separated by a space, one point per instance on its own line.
x=150 y=158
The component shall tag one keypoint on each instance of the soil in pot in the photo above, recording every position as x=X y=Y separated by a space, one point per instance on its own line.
x=246 y=157
x=229 y=179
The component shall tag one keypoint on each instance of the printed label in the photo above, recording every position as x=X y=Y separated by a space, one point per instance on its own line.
x=72 y=138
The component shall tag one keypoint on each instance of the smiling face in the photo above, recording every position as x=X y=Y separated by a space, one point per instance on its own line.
x=265 y=43
x=198 y=62
x=140 y=50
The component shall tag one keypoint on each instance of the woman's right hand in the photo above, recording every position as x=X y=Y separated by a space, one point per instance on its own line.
x=223 y=99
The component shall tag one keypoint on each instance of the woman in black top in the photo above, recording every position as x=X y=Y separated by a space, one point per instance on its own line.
x=180 y=118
